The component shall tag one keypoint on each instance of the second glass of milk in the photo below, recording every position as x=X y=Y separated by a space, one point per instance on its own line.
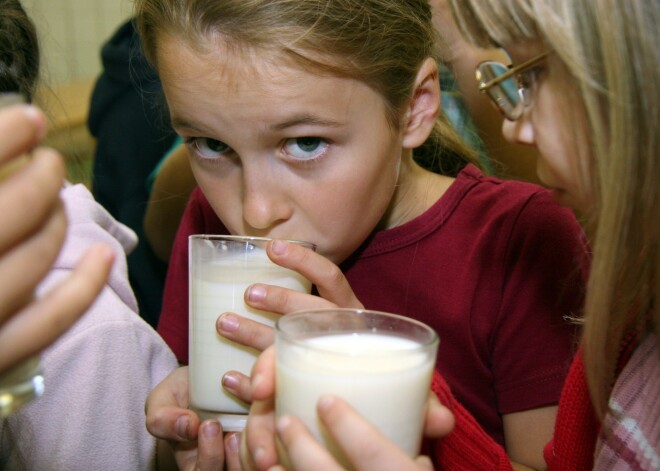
x=380 y=363
x=220 y=270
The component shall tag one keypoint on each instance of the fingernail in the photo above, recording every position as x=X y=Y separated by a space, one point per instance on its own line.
x=229 y=381
x=228 y=323
x=278 y=247
x=283 y=423
x=105 y=251
x=256 y=293
x=182 y=425
x=211 y=429
x=232 y=441
x=326 y=402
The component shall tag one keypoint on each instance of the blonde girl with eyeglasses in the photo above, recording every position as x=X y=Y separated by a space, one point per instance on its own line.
x=593 y=114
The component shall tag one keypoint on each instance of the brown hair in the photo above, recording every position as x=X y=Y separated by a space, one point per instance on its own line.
x=381 y=43
x=19 y=50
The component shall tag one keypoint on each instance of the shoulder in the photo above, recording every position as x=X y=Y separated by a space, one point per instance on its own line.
x=521 y=204
x=522 y=222
x=88 y=221
x=112 y=324
x=509 y=191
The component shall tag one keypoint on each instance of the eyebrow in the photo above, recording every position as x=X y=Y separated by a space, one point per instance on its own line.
x=305 y=119
x=177 y=122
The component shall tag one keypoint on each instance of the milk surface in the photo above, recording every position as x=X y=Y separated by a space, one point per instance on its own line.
x=386 y=378
x=218 y=286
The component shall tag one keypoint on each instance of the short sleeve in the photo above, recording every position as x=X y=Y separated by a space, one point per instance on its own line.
x=543 y=289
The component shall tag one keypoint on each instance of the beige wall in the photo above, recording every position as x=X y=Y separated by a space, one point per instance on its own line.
x=72 y=32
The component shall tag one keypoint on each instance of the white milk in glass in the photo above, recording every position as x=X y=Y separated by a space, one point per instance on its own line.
x=218 y=285
x=386 y=378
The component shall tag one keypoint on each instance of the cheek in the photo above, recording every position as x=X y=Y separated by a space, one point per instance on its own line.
x=584 y=170
x=223 y=195
x=344 y=217
x=350 y=210
x=571 y=155
x=553 y=141
x=556 y=165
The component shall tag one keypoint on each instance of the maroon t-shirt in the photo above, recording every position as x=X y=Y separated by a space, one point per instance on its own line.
x=494 y=266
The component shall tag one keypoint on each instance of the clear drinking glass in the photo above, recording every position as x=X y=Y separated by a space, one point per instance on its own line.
x=20 y=385
x=220 y=270
x=380 y=363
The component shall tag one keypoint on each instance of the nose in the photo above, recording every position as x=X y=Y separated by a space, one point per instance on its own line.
x=520 y=131
x=264 y=201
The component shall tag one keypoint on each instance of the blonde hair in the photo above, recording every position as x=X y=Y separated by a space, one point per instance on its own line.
x=611 y=52
x=381 y=43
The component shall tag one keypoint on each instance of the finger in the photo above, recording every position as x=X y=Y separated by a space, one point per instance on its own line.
x=238 y=384
x=263 y=375
x=330 y=282
x=439 y=419
x=232 y=448
x=258 y=449
x=247 y=462
x=43 y=321
x=301 y=449
x=166 y=409
x=365 y=446
x=26 y=264
x=210 y=447
x=245 y=331
x=172 y=423
x=273 y=298
x=35 y=185
x=21 y=128
x=185 y=455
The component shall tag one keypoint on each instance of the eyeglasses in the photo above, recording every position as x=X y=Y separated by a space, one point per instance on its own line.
x=509 y=88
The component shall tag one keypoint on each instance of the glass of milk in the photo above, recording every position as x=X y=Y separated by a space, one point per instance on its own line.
x=380 y=363
x=220 y=270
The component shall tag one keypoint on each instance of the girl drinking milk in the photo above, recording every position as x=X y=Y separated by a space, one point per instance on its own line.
x=320 y=120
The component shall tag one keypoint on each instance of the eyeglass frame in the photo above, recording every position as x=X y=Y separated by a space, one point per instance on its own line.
x=512 y=71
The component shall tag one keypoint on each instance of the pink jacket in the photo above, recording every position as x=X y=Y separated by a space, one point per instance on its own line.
x=98 y=375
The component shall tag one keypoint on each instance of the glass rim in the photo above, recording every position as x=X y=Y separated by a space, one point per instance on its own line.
x=433 y=340
x=498 y=97
x=241 y=238
x=496 y=92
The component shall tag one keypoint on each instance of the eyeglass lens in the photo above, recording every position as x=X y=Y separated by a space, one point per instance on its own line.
x=505 y=94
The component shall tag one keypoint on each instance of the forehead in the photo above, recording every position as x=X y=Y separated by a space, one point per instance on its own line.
x=251 y=81
x=214 y=60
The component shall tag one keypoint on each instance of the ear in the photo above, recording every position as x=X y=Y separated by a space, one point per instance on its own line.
x=424 y=106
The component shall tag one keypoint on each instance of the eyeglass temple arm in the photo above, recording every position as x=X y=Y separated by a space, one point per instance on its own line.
x=512 y=71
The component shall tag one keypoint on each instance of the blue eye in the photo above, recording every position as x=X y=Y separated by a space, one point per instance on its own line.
x=305 y=148
x=208 y=148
